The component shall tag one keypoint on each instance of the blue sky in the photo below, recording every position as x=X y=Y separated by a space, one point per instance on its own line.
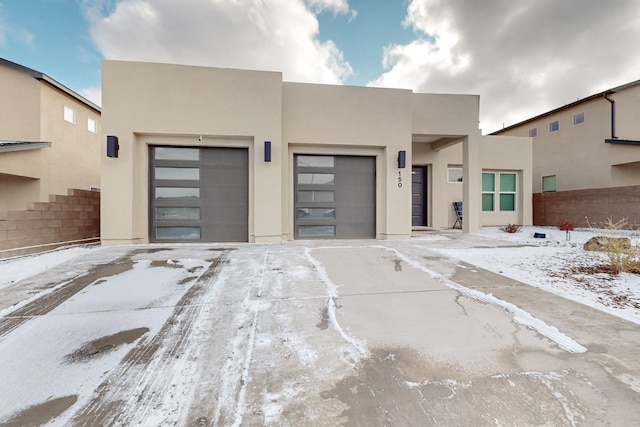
x=522 y=58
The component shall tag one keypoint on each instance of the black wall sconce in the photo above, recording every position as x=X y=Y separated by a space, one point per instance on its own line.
x=112 y=146
x=402 y=159
x=267 y=151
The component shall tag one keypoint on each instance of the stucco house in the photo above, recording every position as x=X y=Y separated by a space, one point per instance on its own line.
x=50 y=149
x=209 y=154
x=50 y=138
x=586 y=159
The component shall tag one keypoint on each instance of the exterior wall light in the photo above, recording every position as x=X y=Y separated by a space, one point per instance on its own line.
x=267 y=151
x=402 y=159
x=112 y=146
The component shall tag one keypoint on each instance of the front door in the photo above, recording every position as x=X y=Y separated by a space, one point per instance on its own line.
x=419 y=196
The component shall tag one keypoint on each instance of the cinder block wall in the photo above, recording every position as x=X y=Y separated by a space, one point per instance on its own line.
x=73 y=218
x=597 y=204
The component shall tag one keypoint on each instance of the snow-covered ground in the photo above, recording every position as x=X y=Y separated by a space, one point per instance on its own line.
x=232 y=335
x=558 y=266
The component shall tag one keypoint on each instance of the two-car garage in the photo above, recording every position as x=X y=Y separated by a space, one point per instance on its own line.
x=201 y=194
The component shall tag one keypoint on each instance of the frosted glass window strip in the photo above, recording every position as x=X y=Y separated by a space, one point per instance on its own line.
x=316 y=231
x=177 y=193
x=316 y=161
x=178 y=233
x=177 y=173
x=316 y=213
x=315 y=196
x=176 y=153
x=316 y=178
x=171 y=213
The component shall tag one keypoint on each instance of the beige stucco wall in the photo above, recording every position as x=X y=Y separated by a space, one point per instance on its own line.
x=159 y=104
x=510 y=154
x=33 y=110
x=495 y=154
x=19 y=106
x=577 y=154
x=146 y=104
x=73 y=160
x=344 y=120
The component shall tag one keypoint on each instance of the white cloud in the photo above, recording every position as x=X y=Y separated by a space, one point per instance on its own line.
x=274 y=35
x=523 y=58
x=93 y=94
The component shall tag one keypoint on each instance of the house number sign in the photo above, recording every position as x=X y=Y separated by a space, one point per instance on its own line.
x=399 y=179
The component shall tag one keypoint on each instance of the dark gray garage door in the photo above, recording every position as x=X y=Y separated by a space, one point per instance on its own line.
x=199 y=194
x=335 y=197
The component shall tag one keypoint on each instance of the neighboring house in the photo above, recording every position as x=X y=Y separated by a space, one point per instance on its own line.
x=209 y=154
x=50 y=147
x=49 y=138
x=586 y=159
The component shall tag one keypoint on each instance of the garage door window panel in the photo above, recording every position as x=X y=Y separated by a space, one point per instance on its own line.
x=316 y=213
x=177 y=193
x=177 y=213
x=178 y=233
x=178 y=174
x=177 y=153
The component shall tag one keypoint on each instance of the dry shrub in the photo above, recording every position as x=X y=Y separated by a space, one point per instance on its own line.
x=511 y=228
x=621 y=258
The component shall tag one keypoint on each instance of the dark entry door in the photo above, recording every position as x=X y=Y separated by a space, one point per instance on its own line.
x=199 y=194
x=419 y=196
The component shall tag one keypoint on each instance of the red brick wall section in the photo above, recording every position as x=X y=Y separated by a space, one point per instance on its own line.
x=74 y=218
x=597 y=205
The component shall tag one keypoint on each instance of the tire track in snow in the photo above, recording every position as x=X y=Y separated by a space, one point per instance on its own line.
x=61 y=293
x=143 y=377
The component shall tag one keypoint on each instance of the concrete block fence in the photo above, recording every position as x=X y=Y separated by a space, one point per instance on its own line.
x=597 y=204
x=63 y=220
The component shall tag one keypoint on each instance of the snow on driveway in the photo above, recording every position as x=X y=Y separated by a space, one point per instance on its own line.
x=263 y=334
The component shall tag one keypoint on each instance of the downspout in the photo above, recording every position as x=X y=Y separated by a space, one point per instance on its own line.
x=613 y=115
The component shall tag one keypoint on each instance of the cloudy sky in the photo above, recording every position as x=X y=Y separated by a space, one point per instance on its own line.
x=522 y=57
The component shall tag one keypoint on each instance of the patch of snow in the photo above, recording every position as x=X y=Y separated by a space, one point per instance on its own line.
x=13 y=270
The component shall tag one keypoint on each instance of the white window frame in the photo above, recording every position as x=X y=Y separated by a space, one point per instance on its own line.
x=493 y=193
x=92 y=125
x=69 y=114
x=514 y=192
x=557 y=126
x=579 y=118
x=454 y=168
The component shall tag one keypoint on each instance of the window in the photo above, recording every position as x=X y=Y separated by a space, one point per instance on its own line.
x=548 y=183
x=92 y=125
x=488 y=191
x=533 y=132
x=174 y=153
x=69 y=114
x=578 y=118
x=507 y=191
x=554 y=126
x=455 y=174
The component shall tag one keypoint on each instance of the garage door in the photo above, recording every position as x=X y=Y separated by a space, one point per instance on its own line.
x=199 y=194
x=335 y=197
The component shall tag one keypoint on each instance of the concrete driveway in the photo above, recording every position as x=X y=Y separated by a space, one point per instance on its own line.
x=358 y=333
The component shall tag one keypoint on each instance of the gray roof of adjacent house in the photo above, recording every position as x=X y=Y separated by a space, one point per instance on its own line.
x=44 y=78
x=573 y=104
x=7 y=146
